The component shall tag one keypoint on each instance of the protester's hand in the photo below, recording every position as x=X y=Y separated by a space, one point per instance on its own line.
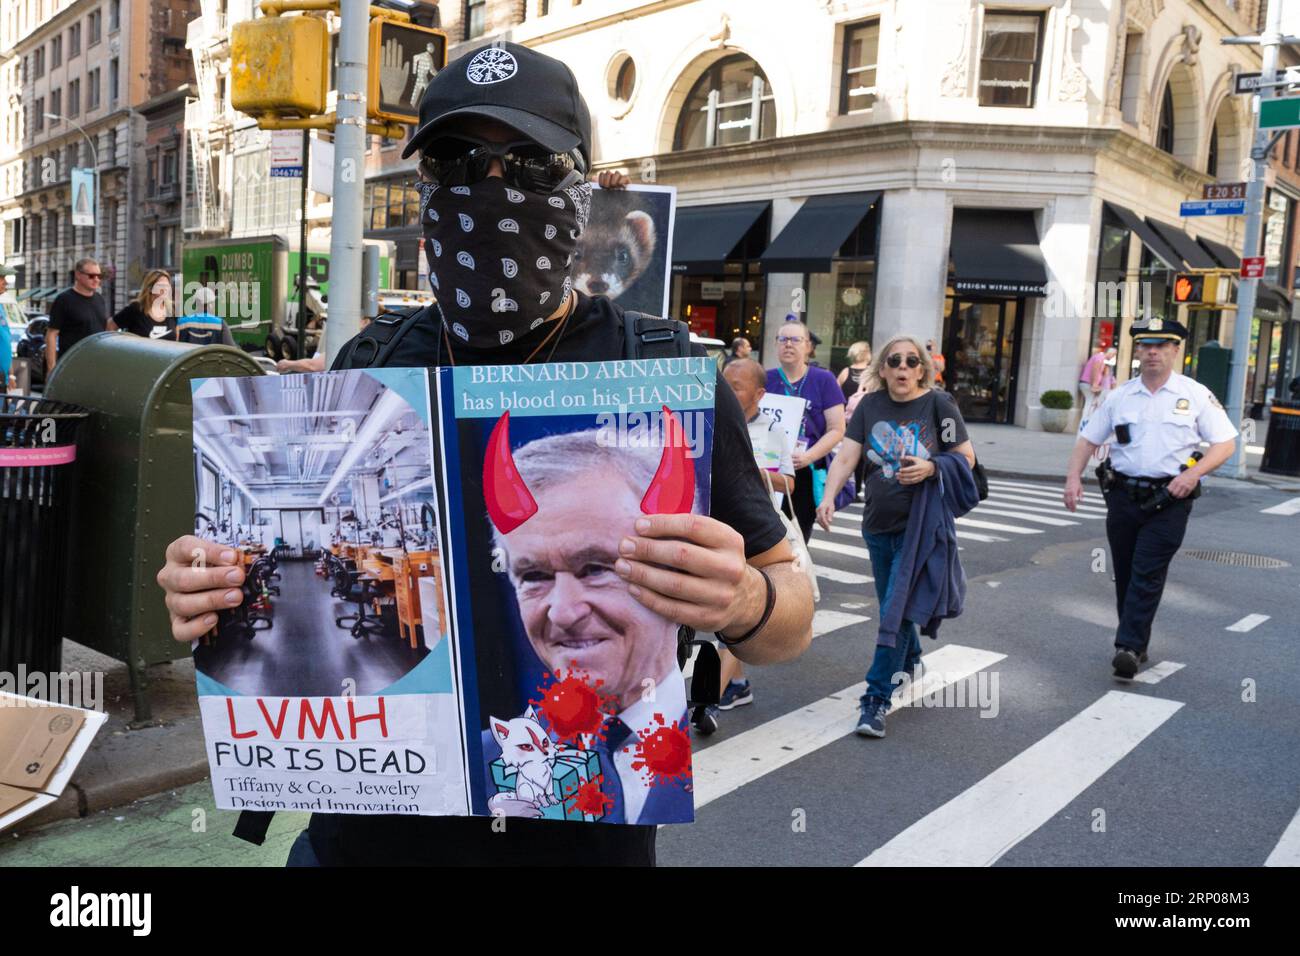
x=915 y=470
x=612 y=179
x=825 y=512
x=691 y=569
x=1183 y=484
x=1073 y=492
x=200 y=578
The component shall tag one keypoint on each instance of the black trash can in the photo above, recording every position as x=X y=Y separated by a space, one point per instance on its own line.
x=38 y=452
x=1282 y=446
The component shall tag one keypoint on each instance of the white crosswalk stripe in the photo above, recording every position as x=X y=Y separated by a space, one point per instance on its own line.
x=980 y=825
x=1157 y=672
x=1247 y=623
x=996 y=526
x=834 y=547
x=842 y=577
x=1287 y=851
x=826 y=620
x=1040 y=506
x=740 y=760
x=1023 y=516
x=1291 y=507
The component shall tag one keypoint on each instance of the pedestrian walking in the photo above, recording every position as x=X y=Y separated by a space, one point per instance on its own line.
x=823 y=421
x=850 y=377
x=740 y=349
x=910 y=433
x=520 y=147
x=76 y=313
x=201 y=326
x=150 y=313
x=1151 y=476
x=1096 y=379
x=938 y=361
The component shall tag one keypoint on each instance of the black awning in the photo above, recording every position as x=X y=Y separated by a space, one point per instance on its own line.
x=1193 y=254
x=1221 y=254
x=814 y=236
x=704 y=237
x=1274 y=299
x=1149 y=237
x=995 y=252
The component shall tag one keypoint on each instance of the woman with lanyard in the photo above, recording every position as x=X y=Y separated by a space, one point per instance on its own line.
x=823 y=420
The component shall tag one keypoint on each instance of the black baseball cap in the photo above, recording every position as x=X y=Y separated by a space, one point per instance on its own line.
x=530 y=92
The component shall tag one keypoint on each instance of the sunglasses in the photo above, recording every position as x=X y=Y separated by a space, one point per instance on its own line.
x=462 y=161
x=92 y=275
x=895 y=360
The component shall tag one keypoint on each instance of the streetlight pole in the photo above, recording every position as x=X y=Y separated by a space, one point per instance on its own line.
x=94 y=155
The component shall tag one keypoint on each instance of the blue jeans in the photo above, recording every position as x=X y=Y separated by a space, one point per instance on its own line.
x=885 y=550
x=302 y=853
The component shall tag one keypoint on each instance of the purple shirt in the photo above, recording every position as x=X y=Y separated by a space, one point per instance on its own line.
x=821 y=390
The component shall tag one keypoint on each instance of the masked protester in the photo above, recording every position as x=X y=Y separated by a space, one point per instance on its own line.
x=504 y=142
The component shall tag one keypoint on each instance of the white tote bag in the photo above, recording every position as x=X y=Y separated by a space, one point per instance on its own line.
x=802 y=558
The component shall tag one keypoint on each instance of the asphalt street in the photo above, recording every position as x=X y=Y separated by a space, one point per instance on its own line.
x=1036 y=755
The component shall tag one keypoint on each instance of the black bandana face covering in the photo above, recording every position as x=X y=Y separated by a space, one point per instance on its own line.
x=499 y=257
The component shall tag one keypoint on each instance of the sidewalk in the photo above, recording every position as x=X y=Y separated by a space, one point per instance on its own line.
x=1007 y=451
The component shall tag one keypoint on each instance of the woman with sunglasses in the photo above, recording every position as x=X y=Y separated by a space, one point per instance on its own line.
x=823 y=419
x=903 y=424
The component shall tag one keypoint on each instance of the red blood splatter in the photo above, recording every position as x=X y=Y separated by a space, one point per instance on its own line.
x=664 y=752
x=589 y=798
x=573 y=706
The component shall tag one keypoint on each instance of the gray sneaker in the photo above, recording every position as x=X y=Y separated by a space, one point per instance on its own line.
x=871 y=721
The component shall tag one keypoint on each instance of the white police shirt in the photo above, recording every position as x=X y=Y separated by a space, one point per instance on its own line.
x=1164 y=428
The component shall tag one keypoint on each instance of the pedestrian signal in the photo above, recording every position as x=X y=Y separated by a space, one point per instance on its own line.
x=1189 y=289
x=278 y=66
x=403 y=58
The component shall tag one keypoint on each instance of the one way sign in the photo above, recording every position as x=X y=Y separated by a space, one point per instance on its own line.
x=1250 y=82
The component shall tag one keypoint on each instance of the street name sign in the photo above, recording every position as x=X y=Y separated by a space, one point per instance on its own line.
x=1223 y=191
x=1250 y=82
x=1280 y=112
x=1213 y=207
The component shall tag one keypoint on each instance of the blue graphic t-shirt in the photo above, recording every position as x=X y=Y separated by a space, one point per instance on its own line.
x=890 y=431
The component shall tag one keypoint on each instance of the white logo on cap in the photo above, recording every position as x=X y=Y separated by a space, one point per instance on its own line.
x=460 y=190
x=510 y=268
x=514 y=195
x=466 y=223
x=462 y=299
x=491 y=65
x=550 y=231
x=543 y=262
x=465 y=259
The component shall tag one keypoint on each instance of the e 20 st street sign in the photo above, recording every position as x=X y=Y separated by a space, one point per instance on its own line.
x=403 y=59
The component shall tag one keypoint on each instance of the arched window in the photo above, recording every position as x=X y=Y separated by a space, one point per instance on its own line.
x=731 y=103
x=1165 y=129
x=1212 y=164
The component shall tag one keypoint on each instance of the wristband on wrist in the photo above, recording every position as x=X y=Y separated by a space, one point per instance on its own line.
x=762 y=621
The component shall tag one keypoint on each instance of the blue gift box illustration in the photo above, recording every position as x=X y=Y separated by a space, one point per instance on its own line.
x=571 y=770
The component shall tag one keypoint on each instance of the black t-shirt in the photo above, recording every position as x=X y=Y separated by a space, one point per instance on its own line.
x=132 y=319
x=889 y=430
x=739 y=499
x=75 y=316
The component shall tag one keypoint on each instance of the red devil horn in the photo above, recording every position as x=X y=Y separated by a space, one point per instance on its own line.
x=672 y=490
x=509 y=502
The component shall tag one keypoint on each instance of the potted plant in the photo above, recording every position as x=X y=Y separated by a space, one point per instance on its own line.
x=1057 y=405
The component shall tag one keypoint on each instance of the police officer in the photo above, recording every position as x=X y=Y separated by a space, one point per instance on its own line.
x=1150 y=478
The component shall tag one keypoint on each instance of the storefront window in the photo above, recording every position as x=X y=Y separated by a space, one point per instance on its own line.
x=723 y=306
x=1112 y=261
x=1276 y=233
x=1202 y=327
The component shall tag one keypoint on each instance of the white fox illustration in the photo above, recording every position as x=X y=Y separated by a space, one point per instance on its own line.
x=526 y=747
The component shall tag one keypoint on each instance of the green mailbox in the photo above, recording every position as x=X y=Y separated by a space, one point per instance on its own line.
x=136 y=492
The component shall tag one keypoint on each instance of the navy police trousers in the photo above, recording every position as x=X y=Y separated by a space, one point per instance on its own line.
x=1141 y=547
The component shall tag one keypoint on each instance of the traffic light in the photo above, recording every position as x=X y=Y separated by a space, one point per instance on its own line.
x=403 y=58
x=1209 y=289
x=278 y=66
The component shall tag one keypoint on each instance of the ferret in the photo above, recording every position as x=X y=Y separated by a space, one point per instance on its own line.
x=615 y=249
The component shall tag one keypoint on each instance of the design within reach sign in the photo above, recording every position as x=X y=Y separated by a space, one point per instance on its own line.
x=1213 y=207
x=1000 y=286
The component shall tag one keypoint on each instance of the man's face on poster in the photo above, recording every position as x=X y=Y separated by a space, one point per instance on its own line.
x=576 y=610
